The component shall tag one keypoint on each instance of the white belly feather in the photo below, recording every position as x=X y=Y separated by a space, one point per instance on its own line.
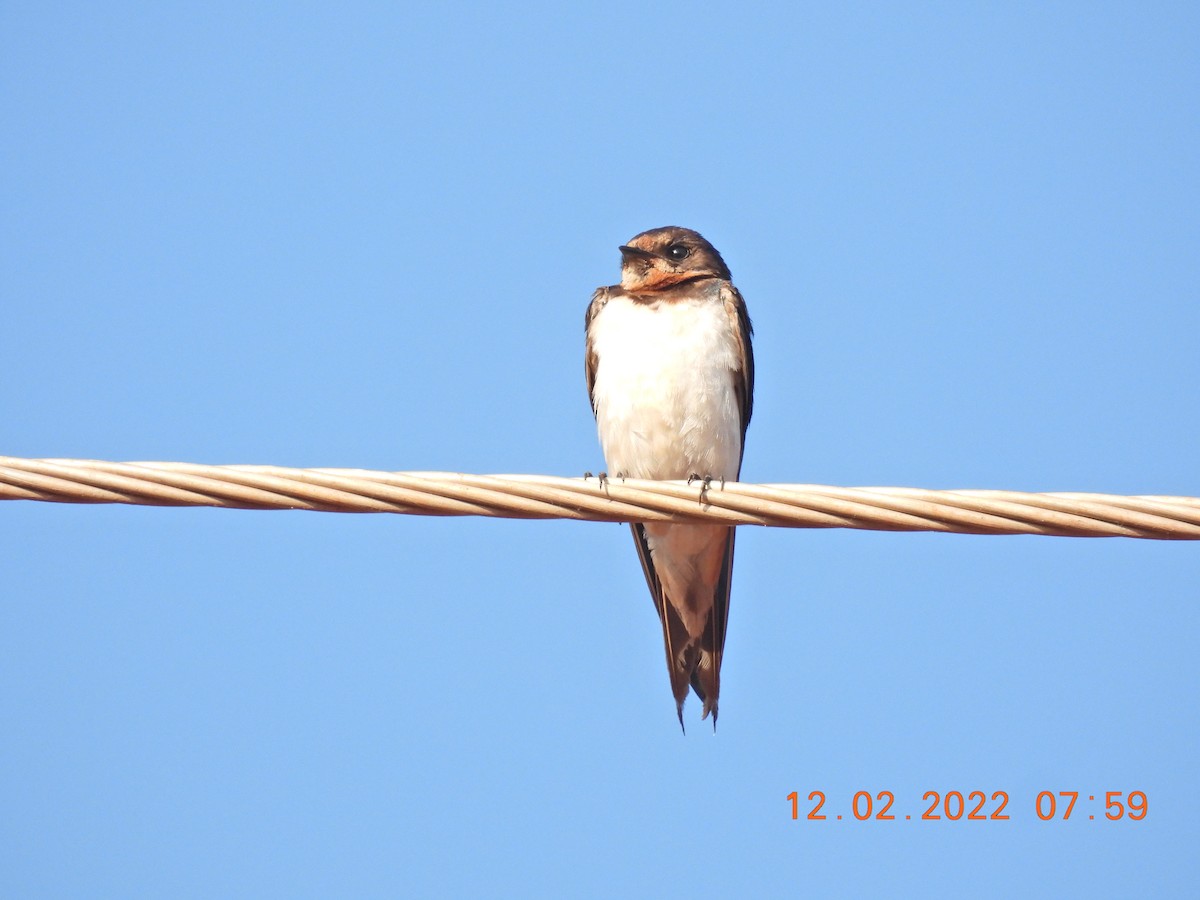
x=665 y=403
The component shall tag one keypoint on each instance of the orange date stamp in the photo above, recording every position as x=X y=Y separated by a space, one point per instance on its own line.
x=974 y=806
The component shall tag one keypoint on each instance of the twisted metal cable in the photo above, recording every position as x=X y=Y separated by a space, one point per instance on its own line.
x=632 y=500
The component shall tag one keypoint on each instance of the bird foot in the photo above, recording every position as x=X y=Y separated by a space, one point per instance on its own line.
x=603 y=477
x=705 y=483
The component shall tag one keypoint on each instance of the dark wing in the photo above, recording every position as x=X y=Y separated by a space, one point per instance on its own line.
x=694 y=661
x=681 y=653
x=599 y=298
x=706 y=676
x=681 y=666
x=743 y=385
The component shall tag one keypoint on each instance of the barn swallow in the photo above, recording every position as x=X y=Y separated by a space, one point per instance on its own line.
x=670 y=372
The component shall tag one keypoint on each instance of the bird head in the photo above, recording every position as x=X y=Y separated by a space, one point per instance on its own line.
x=662 y=257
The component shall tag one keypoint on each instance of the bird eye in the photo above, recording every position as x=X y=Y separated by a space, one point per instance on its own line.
x=678 y=252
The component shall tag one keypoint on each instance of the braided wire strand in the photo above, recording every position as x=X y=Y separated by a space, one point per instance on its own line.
x=591 y=499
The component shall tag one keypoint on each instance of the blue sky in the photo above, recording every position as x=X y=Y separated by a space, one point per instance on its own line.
x=365 y=235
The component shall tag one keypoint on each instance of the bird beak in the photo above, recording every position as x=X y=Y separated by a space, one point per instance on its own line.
x=628 y=254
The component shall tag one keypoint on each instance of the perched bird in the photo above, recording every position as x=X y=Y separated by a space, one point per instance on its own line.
x=670 y=371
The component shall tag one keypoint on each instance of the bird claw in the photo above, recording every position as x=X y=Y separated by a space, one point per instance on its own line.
x=705 y=483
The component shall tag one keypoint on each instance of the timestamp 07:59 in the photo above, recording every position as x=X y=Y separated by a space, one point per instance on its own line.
x=974 y=806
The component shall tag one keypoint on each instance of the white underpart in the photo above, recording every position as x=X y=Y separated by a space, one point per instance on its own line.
x=666 y=408
x=665 y=403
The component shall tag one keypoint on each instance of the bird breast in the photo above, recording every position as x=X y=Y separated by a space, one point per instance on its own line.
x=664 y=389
